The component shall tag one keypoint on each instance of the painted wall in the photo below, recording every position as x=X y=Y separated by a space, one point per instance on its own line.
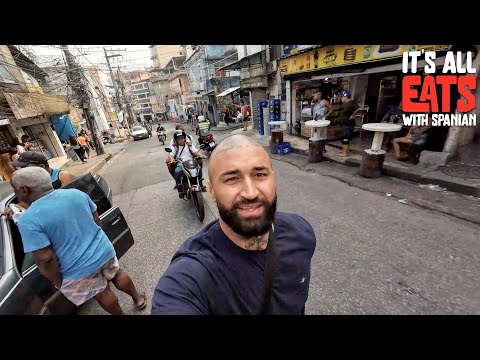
x=197 y=74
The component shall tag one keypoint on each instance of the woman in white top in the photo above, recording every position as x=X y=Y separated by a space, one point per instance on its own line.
x=20 y=149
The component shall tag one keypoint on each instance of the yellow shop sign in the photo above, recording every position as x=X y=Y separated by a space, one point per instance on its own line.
x=340 y=55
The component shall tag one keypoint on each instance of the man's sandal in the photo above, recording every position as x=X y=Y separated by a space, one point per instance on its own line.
x=143 y=305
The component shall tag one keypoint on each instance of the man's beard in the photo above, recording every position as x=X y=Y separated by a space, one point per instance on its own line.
x=248 y=228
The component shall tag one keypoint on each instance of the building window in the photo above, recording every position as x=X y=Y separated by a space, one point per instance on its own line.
x=5 y=74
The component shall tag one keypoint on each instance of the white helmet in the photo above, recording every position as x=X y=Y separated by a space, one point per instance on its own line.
x=201 y=118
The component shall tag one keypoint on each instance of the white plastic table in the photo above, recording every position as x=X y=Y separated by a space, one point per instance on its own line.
x=277 y=124
x=314 y=124
x=380 y=129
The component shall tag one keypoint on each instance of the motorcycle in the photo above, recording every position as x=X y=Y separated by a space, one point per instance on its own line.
x=162 y=136
x=107 y=137
x=206 y=142
x=190 y=181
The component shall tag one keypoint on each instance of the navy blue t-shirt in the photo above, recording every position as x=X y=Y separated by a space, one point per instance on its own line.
x=211 y=275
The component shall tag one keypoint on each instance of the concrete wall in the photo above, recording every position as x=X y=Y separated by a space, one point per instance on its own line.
x=460 y=140
x=250 y=49
x=96 y=103
x=275 y=84
x=164 y=53
x=11 y=67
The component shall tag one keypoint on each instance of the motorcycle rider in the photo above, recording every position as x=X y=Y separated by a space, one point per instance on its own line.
x=185 y=150
x=203 y=128
x=171 y=167
x=161 y=129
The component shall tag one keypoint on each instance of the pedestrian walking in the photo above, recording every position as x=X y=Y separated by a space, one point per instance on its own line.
x=79 y=150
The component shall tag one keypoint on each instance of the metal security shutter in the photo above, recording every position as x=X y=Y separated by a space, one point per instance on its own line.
x=256 y=95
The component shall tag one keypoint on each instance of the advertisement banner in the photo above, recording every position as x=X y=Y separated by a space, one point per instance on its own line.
x=341 y=55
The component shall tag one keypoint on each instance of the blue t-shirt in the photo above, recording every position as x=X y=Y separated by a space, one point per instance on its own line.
x=210 y=275
x=63 y=219
x=54 y=174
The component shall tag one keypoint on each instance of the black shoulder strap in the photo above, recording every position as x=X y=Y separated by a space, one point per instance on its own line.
x=178 y=155
x=268 y=274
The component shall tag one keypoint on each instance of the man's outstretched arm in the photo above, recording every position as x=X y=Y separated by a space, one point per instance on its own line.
x=183 y=289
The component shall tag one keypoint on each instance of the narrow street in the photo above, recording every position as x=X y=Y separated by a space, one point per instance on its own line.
x=374 y=255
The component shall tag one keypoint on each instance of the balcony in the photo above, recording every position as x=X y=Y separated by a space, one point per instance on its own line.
x=253 y=71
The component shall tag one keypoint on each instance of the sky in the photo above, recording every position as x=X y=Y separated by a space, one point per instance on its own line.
x=133 y=57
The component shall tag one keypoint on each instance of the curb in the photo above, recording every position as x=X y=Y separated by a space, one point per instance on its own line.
x=96 y=168
x=211 y=205
x=411 y=175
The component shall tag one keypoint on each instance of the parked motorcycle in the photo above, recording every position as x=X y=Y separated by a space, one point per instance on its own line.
x=206 y=141
x=107 y=137
x=191 y=184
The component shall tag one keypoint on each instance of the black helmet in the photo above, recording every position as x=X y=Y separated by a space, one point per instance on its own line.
x=178 y=133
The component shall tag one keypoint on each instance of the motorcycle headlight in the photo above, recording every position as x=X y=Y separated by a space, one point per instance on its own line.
x=193 y=172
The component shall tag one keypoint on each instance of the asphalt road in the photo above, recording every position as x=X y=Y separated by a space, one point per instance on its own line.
x=374 y=255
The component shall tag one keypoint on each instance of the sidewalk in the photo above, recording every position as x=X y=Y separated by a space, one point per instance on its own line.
x=422 y=174
x=224 y=127
x=96 y=162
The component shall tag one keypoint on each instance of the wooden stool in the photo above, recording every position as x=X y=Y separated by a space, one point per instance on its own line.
x=316 y=148
x=372 y=163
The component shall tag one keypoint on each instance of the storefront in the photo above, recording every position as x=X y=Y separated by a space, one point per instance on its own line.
x=32 y=117
x=7 y=135
x=372 y=73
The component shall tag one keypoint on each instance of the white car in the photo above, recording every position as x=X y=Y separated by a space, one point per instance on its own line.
x=139 y=132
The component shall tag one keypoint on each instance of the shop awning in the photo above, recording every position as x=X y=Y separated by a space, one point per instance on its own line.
x=27 y=105
x=247 y=61
x=228 y=91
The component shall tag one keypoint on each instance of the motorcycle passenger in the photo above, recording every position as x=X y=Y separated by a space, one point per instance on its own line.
x=189 y=138
x=185 y=151
x=203 y=128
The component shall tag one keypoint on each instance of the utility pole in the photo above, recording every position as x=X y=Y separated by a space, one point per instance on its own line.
x=131 y=115
x=74 y=77
x=117 y=94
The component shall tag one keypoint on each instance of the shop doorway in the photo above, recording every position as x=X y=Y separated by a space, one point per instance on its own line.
x=42 y=138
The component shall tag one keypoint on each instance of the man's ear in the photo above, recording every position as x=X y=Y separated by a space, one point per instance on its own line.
x=210 y=190
x=24 y=191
